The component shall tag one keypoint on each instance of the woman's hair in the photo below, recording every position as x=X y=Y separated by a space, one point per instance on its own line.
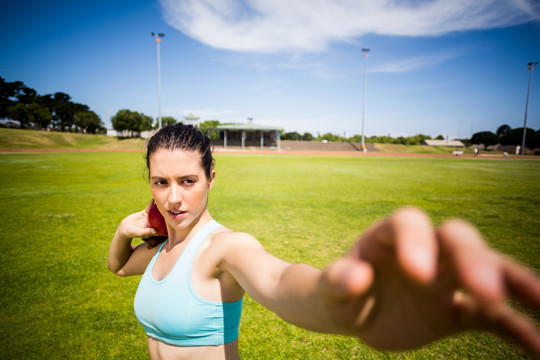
x=182 y=137
x=179 y=137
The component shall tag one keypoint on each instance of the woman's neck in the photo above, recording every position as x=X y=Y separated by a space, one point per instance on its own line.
x=178 y=236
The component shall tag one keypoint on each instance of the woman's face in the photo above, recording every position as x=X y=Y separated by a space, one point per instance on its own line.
x=179 y=186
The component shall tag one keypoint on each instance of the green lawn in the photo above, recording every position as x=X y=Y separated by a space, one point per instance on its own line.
x=60 y=210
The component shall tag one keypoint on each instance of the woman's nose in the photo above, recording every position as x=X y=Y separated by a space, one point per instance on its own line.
x=174 y=195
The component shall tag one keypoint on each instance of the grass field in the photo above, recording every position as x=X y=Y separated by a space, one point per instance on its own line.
x=60 y=210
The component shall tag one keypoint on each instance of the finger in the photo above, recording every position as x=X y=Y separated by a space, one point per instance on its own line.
x=478 y=268
x=148 y=232
x=522 y=283
x=406 y=237
x=516 y=326
x=417 y=248
x=345 y=279
x=500 y=319
x=149 y=206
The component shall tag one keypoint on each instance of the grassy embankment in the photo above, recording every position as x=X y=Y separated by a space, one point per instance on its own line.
x=31 y=139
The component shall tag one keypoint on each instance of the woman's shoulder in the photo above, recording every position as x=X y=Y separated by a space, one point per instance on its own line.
x=224 y=234
x=228 y=246
x=224 y=238
x=233 y=249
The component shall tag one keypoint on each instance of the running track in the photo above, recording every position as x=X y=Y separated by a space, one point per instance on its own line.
x=270 y=152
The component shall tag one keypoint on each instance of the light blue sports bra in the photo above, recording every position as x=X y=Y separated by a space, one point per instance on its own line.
x=171 y=312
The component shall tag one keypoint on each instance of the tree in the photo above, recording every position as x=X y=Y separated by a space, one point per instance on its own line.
x=40 y=116
x=63 y=109
x=417 y=139
x=19 y=112
x=145 y=122
x=307 y=137
x=384 y=139
x=131 y=121
x=63 y=116
x=25 y=94
x=88 y=122
x=12 y=93
x=485 y=137
x=209 y=124
x=30 y=115
x=5 y=97
x=291 y=136
x=165 y=120
x=515 y=137
x=38 y=110
x=330 y=137
x=123 y=120
x=46 y=101
x=439 y=137
x=401 y=140
x=503 y=129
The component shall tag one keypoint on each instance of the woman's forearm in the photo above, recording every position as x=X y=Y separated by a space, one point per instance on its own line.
x=336 y=300
x=119 y=252
x=298 y=299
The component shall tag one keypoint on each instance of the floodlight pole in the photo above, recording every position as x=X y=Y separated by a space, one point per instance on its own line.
x=158 y=38
x=365 y=51
x=531 y=67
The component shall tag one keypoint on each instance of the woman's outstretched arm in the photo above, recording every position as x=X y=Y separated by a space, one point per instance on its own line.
x=404 y=284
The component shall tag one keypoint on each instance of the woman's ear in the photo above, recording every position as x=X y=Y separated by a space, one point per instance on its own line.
x=211 y=181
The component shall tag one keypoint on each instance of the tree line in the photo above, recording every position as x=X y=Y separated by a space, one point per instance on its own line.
x=51 y=111
x=58 y=112
x=134 y=122
x=505 y=135
x=385 y=139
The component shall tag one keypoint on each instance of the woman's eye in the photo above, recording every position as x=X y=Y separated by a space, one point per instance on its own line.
x=159 y=182
x=189 y=182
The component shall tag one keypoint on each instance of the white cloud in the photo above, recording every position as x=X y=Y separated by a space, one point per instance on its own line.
x=311 y=25
x=416 y=63
x=204 y=114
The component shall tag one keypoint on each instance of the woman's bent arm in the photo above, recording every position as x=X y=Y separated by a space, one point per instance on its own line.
x=123 y=259
x=119 y=252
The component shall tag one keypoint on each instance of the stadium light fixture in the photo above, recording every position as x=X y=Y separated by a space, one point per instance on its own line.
x=365 y=51
x=158 y=38
x=531 y=68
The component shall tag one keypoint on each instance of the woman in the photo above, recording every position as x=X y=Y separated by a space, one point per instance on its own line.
x=402 y=285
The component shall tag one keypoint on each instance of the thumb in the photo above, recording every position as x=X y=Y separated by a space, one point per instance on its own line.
x=148 y=207
x=345 y=279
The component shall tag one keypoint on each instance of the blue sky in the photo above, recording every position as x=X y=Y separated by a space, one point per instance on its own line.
x=450 y=67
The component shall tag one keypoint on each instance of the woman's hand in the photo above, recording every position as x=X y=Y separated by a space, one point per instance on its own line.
x=123 y=259
x=405 y=284
x=136 y=225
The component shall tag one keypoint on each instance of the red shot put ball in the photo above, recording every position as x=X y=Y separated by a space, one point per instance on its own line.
x=156 y=220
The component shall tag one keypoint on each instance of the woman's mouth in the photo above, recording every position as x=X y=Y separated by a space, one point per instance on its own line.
x=176 y=214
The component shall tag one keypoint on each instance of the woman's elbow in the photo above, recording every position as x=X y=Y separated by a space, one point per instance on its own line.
x=116 y=271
